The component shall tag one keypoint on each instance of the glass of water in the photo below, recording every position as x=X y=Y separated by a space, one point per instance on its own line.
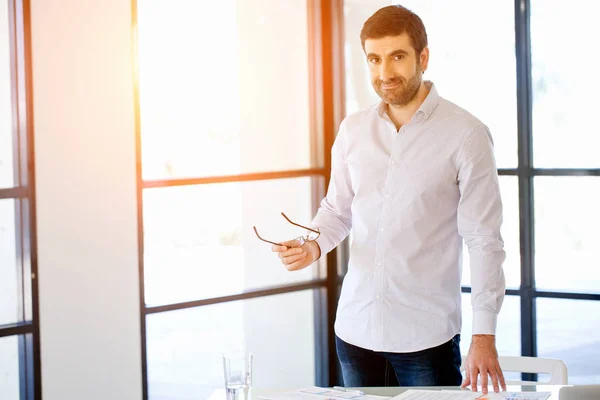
x=237 y=370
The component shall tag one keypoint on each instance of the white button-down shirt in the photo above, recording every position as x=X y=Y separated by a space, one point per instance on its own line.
x=410 y=197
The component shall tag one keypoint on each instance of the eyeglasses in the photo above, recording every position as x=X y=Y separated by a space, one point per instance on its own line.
x=310 y=236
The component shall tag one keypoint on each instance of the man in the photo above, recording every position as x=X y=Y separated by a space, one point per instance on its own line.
x=412 y=177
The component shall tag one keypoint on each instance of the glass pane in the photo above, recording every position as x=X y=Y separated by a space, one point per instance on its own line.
x=6 y=143
x=568 y=331
x=509 y=190
x=567 y=255
x=223 y=87
x=508 y=330
x=565 y=128
x=199 y=242
x=9 y=282
x=184 y=347
x=454 y=69
x=9 y=368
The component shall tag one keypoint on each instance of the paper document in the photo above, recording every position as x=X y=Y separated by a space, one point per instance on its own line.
x=465 y=395
x=317 y=393
x=446 y=395
x=525 y=395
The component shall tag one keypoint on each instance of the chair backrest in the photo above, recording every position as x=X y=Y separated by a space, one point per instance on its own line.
x=583 y=392
x=557 y=369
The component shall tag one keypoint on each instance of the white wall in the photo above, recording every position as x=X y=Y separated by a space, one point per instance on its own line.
x=86 y=199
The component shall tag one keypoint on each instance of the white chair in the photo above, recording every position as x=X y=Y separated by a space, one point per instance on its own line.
x=556 y=368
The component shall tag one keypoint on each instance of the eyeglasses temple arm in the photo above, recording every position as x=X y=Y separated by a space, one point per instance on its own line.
x=301 y=226
x=265 y=240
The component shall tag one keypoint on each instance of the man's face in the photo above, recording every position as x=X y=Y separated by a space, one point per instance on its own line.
x=396 y=70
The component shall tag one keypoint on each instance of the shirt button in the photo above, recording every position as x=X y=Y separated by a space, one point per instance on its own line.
x=381 y=229
x=379 y=263
x=393 y=162
x=378 y=297
x=387 y=195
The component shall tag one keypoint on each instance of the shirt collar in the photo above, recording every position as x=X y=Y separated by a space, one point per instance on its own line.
x=431 y=101
x=429 y=104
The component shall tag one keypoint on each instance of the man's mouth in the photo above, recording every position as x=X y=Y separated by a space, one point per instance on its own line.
x=389 y=86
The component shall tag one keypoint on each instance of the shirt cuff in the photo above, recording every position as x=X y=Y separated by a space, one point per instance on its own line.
x=484 y=322
x=323 y=246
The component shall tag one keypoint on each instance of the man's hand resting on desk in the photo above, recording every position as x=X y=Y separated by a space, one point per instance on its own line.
x=483 y=360
x=296 y=258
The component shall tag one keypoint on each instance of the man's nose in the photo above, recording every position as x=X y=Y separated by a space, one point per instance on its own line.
x=385 y=71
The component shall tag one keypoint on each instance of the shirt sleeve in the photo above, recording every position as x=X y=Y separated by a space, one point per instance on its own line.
x=479 y=222
x=334 y=217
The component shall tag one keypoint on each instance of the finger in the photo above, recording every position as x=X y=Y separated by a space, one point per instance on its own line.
x=484 y=379
x=292 y=243
x=292 y=259
x=466 y=381
x=494 y=375
x=277 y=249
x=501 y=377
x=291 y=252
x=296 y=265
x=473 y=372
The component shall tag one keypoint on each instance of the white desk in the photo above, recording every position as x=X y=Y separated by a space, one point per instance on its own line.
x=394 y=391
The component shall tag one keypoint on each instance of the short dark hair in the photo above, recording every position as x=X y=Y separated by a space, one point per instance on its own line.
x=393 y=21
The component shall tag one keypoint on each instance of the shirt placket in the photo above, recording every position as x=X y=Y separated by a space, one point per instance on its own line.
x=379 y=275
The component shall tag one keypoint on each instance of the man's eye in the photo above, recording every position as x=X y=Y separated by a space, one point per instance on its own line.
x=374 y=60
x=399 y=57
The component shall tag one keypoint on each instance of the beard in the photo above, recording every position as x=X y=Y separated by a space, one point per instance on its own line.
x=403 y=94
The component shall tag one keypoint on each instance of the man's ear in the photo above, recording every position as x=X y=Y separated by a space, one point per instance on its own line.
x=424 y=58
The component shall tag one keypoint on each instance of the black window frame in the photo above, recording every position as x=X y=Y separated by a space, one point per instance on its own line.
x=526 y=172
x=23 y=194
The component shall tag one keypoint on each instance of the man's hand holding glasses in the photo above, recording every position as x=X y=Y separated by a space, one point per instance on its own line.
x=298 y=253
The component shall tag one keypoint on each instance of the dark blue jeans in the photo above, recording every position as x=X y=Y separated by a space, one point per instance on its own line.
x=438 y=366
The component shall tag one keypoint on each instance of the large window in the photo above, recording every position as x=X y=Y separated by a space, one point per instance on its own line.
x=19 y=339
x=233 y=130
x=564 y=175
x=499 y=60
